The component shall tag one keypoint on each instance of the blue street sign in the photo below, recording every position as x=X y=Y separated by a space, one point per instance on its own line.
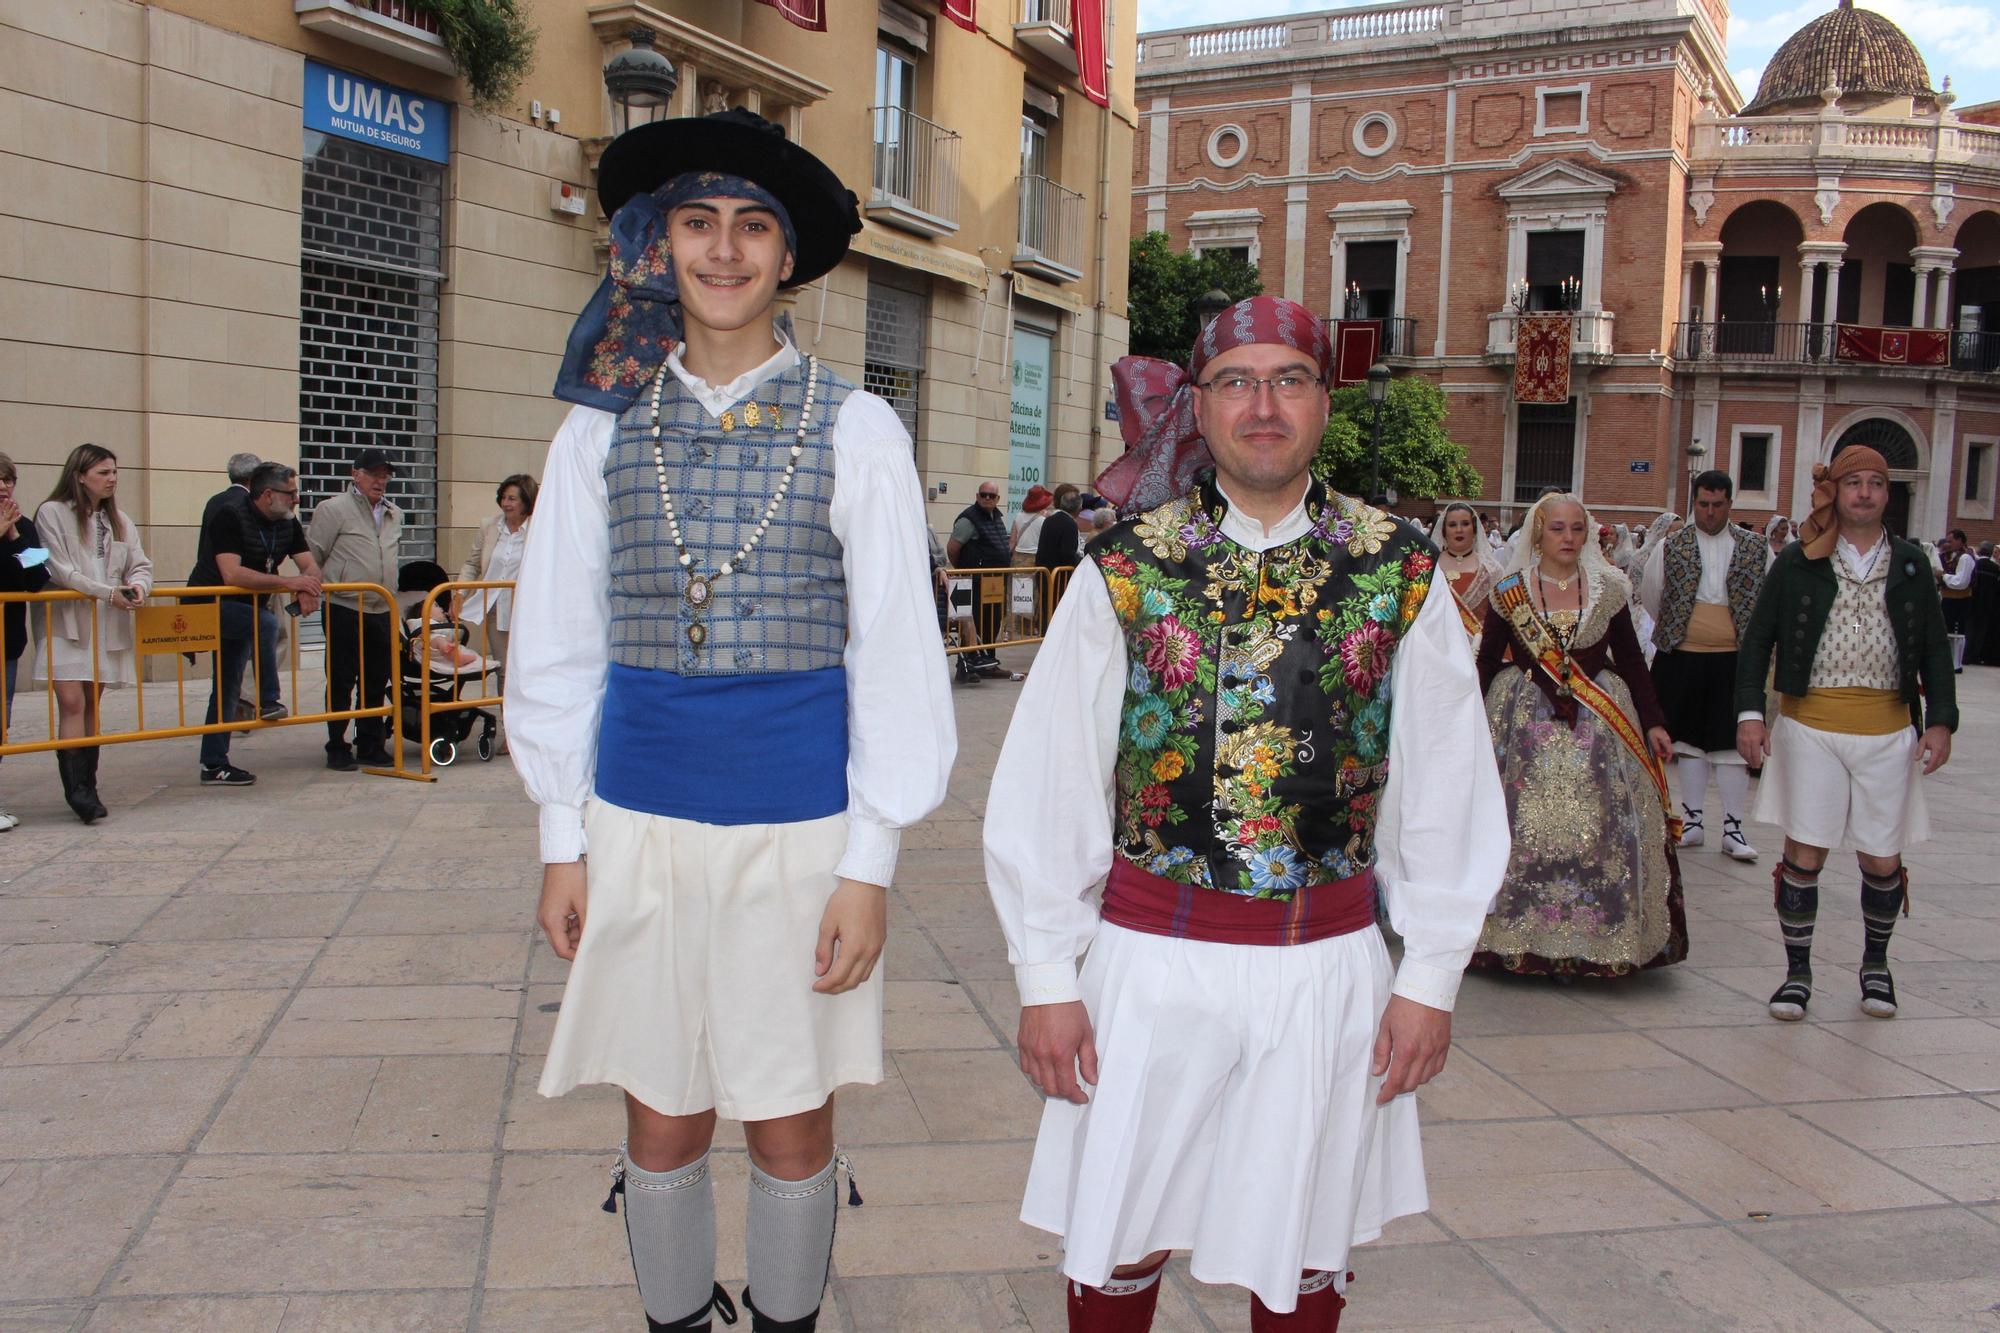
x=380 y=114
x=1642 y=465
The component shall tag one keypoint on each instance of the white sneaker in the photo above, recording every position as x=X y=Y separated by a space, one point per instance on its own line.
x=1691 y=834
x=8 y=821
x=1733 y=842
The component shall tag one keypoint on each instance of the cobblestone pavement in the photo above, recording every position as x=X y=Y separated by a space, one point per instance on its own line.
x=269 y=1061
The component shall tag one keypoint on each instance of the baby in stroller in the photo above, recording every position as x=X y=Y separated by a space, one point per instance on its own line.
x=458 y=674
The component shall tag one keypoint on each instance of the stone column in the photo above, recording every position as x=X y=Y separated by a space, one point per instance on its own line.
x=1920 y=310
x=1932 y=312
x=1833 y=291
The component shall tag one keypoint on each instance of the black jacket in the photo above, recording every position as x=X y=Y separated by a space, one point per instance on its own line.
x=1791 y=618
x=14 y=578
x=988 y=547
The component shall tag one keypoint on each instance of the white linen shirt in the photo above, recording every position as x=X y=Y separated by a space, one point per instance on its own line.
x=901 y=738
x=1441 y=837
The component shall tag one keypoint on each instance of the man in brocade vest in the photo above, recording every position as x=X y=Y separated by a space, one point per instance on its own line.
x=725 y=696
x=1255 y=710
x=1700 y=587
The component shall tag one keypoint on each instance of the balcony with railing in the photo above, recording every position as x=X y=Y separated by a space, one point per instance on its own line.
x=1754 y=347
x=914 y=186
x=1590 y=333
x=1733 y=140
x=393 y=27
x=1048 y=28
x=1303 y=35
x=1051 y=236
x=1395 y=336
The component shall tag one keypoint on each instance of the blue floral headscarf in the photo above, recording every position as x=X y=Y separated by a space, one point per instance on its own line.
x=633 y=320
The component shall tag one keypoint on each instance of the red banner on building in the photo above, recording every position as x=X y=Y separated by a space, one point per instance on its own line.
x=1089 y=39
x=807 y=14
x=1355 y=342
x=1892 y=347
x=1541 y=358
x=960 y=12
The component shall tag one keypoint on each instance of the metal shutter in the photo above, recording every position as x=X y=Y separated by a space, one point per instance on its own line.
x=894 y=348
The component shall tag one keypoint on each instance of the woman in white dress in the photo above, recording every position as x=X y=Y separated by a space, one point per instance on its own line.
x=93 y=549
x=1467 y=563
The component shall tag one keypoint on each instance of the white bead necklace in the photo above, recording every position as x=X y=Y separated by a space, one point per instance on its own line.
x=700 y=590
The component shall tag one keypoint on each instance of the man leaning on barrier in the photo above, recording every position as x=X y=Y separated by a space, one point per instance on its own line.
x=243 y=544
x=355 y=536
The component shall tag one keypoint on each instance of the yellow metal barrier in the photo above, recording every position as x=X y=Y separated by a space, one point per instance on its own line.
x=418 y=643
x=186 y=621
x=1008 y=607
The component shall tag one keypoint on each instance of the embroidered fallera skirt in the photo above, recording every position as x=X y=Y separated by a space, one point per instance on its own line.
x=1235 y=1117
x=692 y=986
x=1826 y=789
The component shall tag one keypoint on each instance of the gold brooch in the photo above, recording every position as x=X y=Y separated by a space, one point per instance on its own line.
x=754 y=415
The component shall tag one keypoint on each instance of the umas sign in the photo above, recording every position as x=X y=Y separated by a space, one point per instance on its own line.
x=381 y=114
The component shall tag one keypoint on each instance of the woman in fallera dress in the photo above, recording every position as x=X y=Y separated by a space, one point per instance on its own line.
x=1592 y=886
x=1467 y=562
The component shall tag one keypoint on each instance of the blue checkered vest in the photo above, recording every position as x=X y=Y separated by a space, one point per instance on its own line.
x=785 y=609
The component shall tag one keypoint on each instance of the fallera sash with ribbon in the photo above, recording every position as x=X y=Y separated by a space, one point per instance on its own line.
x=1472 y=620
x=1572 y=682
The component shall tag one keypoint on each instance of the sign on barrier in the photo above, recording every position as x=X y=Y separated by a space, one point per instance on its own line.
x=1023 y=600
x=176 y=627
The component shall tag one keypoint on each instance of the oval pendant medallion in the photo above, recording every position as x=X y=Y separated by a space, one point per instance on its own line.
x=697 y=591
x=697 y=633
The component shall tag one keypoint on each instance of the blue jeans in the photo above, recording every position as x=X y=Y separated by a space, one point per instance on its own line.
x=235 y=656
x=267 y=651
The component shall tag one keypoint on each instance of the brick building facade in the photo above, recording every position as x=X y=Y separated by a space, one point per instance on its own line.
x=1444 y=168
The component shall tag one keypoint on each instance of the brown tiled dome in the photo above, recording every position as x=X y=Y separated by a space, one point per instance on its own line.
x=1857 y=49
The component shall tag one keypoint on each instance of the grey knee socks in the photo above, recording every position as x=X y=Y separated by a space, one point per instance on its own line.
x=790 y=1239
x=670 y=1221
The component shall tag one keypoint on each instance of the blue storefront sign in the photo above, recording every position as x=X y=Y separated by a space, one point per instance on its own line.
x=380 y=114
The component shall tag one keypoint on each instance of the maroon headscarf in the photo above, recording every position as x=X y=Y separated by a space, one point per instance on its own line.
x=1164 y=451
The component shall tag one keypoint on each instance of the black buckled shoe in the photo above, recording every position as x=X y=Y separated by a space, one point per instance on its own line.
x=763 y=1323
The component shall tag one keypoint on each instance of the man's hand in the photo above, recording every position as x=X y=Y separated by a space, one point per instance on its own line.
x=1410 y=1048
x=561 y=912
x=1934 y=748
x=1055 y=1041
x=308 y=603
x=1662 y=744
x=1753 y=742
x=303 y=583
x=851 y=935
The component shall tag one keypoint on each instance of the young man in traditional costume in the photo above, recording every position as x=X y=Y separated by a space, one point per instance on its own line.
x=1700 y=587
x=1210 y=724
x=725 y=688
x=1867 y=709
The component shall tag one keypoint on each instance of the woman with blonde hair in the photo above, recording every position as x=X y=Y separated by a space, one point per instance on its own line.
x=93 y=549
x=1592 y=885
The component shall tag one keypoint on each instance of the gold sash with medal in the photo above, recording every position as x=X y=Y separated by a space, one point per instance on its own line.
x=1510 y=596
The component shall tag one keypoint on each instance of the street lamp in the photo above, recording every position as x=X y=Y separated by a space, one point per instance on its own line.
x=641 y=82
x=1378 y=394
x=1208 y=305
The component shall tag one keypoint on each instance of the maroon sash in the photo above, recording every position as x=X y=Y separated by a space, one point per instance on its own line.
x=1142 y=901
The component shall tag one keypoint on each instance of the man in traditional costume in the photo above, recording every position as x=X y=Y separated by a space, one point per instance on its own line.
x=1210 y=723
x=724 y=690
x=1867 y=709
x=1700 y=586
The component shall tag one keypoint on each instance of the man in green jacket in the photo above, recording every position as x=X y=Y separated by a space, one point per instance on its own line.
x=1867 y=709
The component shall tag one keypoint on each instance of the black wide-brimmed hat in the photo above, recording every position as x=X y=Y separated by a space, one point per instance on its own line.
x=824 y=212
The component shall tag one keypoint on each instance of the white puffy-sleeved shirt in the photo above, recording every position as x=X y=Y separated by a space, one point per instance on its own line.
x=900 y=734
x=1441 y=837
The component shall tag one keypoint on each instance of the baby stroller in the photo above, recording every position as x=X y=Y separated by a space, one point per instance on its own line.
x=456 y=672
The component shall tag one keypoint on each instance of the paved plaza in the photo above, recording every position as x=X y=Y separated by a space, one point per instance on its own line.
x=269 y=1058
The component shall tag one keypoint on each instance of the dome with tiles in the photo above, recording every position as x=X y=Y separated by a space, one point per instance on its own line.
x=1858 y=51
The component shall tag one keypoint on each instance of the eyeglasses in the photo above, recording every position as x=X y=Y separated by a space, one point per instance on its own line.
x=1290 y=386
x=989 y=495
x=292 y=494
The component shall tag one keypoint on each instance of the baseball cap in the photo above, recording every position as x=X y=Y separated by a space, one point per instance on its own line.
x=370 y=460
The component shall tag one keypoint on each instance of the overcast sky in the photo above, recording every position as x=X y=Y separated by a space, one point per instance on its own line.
x=1956 y=37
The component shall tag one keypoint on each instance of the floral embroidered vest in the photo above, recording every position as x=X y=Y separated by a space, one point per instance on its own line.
x=1682 y=579
x=1254 y=739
